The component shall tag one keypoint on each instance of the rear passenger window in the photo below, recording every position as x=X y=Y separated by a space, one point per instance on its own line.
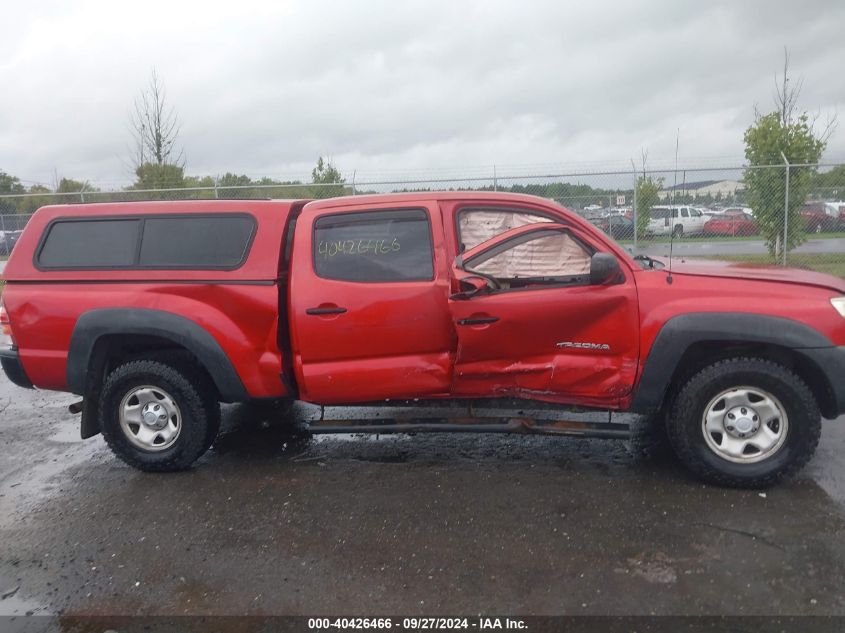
x=191 y=242
x=90 y=244
x=374 y=246
x=149 y=242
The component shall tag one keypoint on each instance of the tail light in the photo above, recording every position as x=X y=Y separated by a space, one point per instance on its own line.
x=6 y=340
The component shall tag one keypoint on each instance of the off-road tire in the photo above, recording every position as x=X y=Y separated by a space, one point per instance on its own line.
x=684 y=422
x=188 y=367
x=197 y=400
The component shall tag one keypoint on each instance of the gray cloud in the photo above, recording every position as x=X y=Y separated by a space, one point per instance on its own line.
x=265 y=87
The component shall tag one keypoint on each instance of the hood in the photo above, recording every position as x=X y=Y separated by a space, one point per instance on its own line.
x=754 y=272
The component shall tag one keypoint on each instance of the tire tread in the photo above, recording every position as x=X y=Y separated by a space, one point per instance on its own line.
x=684 y=405
x=198 y=397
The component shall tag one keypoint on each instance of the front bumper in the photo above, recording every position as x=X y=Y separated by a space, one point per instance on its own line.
x=831 y=362
x=11 y=363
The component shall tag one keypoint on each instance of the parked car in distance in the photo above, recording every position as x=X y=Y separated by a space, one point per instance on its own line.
x=8 y=239
x=747 y=210
x=835 y=209
x=619 y=227
x=731 y=223
x=677 y=221
x=817 y=219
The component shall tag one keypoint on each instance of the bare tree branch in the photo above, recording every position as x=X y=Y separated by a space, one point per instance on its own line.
x=155 y=127
x=644 y=157
x=786 y=96
x=831 y=122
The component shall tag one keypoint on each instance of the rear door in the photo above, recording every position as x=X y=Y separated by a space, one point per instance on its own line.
x=541 y=329
x=368 y=311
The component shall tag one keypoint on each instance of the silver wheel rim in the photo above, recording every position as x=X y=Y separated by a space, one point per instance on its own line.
x=745 y=425
x=150 y=418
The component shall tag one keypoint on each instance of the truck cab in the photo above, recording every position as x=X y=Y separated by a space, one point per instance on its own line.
x=458 y=297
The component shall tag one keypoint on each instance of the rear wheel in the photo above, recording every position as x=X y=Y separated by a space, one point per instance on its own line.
x=744 y=422
x=157 y=416
x=678 y=231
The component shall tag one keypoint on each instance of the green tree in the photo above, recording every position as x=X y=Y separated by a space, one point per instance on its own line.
x=325 y=173
x=73 y=190
x=31 y=203
x=10 y=186
x=766 y=186
x=782 y=133
x=155 y=176
x=232 y=186
x=647 y=196
x=830 y=183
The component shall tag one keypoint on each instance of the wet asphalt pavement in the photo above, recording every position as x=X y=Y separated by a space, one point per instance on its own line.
x=272 y=523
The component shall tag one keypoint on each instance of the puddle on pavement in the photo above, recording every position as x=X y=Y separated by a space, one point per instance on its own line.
x=16 y=605
x=32 y=484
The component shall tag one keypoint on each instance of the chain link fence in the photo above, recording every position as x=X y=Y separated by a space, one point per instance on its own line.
x=781 y=214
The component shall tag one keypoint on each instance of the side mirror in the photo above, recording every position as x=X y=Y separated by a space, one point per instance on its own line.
x=471 y=286
x=604 y=269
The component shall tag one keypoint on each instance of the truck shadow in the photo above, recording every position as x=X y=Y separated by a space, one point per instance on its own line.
x=253 y=432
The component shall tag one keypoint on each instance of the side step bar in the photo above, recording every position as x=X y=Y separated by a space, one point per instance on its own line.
x=531 y=426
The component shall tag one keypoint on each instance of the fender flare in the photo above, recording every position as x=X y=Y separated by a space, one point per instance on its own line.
x=679 y=332
x=93 y=325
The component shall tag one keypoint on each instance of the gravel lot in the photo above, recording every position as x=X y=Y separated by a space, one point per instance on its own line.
x=268 y=523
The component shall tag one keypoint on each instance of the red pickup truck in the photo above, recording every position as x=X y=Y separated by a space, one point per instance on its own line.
x=155 y=312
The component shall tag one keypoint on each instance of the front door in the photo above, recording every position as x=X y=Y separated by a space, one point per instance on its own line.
x=368 y=311
x=540 y=329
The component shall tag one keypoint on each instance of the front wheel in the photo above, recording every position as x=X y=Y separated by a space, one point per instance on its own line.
x=158 y=416
x=744 y=422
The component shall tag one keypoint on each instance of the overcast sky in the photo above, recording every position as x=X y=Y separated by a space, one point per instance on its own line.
x=263 y=88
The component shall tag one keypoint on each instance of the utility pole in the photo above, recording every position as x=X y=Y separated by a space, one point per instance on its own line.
x=634 y=167
x=785 y=208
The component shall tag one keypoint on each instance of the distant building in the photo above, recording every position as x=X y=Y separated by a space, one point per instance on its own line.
x=703 y=188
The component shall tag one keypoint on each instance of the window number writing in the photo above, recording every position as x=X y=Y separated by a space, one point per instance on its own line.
x=358 y=247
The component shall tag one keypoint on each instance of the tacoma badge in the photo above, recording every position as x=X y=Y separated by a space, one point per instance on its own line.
x=579 y=345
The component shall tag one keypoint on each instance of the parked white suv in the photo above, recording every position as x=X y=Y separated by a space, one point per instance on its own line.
x=681 y=221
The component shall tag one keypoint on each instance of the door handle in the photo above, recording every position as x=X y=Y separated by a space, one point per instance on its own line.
x=321 y=311
x=478 y=320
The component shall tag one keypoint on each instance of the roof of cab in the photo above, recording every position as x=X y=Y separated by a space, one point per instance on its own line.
x=50 y=212
x=399 y=198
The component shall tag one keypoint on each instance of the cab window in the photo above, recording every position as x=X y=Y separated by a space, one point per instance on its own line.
x=374 y=246
x=539 y=257
x=476 y=226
